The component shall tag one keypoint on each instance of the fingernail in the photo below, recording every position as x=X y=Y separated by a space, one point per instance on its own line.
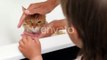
x=27 y=12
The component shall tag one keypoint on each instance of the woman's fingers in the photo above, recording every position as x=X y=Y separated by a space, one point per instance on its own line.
x=37 y=41
x=20 y=48
x=21 y=43
x=22 y=20
x=41 y=8
x=29 y=39
x=24 y=39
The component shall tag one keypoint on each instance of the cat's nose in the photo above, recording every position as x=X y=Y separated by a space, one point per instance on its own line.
x=35 y=29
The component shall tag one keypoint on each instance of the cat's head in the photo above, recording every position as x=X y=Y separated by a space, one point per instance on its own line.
x=33 y=23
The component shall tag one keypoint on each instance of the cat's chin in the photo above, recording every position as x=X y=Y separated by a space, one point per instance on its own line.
x=33 y=35
x=35 y=32
x=32 y=32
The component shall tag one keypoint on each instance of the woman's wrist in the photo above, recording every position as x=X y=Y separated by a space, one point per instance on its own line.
x=54 y=3
x=36 y=58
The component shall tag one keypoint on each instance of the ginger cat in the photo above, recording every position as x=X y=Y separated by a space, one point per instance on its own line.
x=33 y=24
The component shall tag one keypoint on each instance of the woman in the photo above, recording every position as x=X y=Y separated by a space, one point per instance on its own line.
x=87 y=20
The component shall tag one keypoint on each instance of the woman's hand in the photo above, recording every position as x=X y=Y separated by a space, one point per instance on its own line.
x=30 y=48
x=52 y=27
x=41 y=8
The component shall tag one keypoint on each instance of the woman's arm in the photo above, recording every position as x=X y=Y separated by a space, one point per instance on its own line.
x=52 y=27
x=42 y=7
x=54 y=2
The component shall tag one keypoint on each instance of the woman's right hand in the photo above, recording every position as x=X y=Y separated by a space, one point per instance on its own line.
x=41 y=8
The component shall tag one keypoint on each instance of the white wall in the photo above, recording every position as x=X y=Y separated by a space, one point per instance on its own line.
x=10 y=12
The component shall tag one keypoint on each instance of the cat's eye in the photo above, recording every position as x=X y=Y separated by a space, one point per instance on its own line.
x=39 y=21
x=31 y=21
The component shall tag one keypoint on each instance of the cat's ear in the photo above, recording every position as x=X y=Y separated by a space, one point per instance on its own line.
x=23 y=9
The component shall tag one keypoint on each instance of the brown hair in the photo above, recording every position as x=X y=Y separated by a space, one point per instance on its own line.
x=89 y=17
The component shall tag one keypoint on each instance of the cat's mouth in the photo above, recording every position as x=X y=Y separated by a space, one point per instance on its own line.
x=36 y=30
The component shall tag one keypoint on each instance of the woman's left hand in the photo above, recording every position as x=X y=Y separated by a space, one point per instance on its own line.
x=30 y=48
x=52 y=27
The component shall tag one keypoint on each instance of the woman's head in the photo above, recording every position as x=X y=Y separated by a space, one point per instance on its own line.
x=88 y=18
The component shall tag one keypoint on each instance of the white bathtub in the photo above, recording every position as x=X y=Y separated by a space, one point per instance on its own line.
x=10 y=12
